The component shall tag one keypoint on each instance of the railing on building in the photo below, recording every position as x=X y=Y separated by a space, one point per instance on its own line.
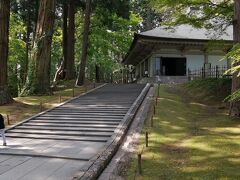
x=211 y=72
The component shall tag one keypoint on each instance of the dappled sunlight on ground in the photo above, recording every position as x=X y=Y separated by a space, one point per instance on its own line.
x=27 y=100
x=190 y=140
x=198 y=104
x=227 y=130
x=168 y=99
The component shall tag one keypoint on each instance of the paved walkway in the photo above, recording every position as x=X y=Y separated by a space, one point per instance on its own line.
x=60 y=143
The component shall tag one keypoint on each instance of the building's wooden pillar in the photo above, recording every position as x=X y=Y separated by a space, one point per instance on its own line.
x=205 y=58
x=122 y=75
x=229 y=63
x=140 y=70
x=206 y=65
x=146 y=68
x=149 y=61
x=144 y=65
x=127 y=75
x=137 y=71
x=150 y=67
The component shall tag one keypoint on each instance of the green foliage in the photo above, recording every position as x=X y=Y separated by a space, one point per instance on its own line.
x=16 y=54
x=56 y=50
x=150 y=17
x=210 y=14
x=234 y=96
x=119 y=7
x=111 y=31
x=234 y=56
x=107 y=44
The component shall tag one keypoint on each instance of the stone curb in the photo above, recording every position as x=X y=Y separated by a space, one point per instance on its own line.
x=100 y=161
x=120 y=161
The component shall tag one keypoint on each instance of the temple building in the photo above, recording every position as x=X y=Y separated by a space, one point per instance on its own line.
x=169 y=55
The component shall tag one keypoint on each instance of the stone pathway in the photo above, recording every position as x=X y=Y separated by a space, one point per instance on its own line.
x=62 y=142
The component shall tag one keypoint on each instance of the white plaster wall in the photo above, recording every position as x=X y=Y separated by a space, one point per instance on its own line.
x=217 y=61
x=195 y=62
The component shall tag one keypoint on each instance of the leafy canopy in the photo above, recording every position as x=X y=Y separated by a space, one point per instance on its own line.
x=211 y=14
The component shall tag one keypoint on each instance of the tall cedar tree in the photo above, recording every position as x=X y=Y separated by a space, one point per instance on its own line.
x=4 y=39
x=64 y=39
x=81 y=74
x=61 y=71
x=66 y=70
x=27 y=40
x=70 y=73
x=235 y=105
x=42 y=48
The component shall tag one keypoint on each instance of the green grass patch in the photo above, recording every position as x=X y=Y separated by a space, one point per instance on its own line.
x=213 y=90
x=189 y=140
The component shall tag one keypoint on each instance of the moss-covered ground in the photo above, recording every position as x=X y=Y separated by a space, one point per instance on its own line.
x=191 y=139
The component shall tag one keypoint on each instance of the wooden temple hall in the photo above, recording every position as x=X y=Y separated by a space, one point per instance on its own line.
x=170 y=55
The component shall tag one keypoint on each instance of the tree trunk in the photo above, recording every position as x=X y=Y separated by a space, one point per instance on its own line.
x=148 y=20
x=235 y=106
x=42 y=45
x=4 y=39
x=36 y=11
x=65 y=38
x=70 y=64
x=97 y=73
x=26 y=61
x=81 y=74
x=61 y=71
x=58 y=73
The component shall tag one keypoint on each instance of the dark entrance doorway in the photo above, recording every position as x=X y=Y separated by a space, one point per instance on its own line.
x=173 y=66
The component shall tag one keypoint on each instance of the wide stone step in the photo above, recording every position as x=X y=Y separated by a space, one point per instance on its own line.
x=80 y=118
x=66 y=128
x=57 y=137
x=32 y=123
x=88 y=111
x=83 y=116
x=67 y=113
x=109 y=106
x=76 y=122
x=60 y=133
x=102 y=104
x=114 y=100
x=119 y=100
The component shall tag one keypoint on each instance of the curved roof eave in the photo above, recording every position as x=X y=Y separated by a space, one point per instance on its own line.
x=137 y=37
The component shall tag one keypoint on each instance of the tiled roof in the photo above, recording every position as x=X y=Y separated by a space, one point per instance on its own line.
x=188 y=32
